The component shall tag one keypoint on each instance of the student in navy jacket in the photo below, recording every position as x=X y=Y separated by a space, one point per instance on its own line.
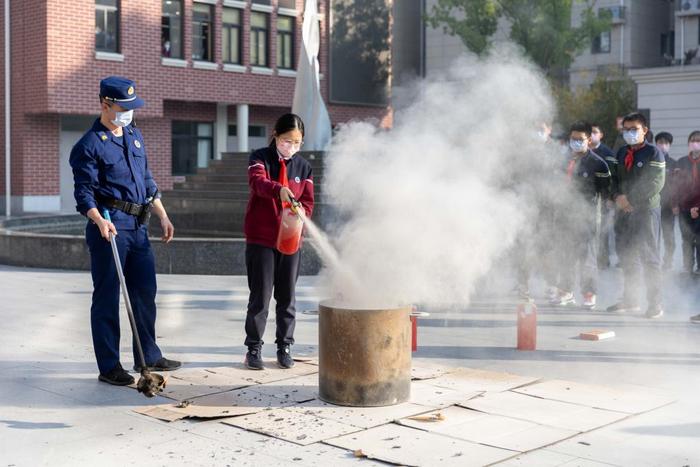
x=268 y=269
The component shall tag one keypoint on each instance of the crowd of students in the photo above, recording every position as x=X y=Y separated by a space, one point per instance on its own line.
x=629 y=198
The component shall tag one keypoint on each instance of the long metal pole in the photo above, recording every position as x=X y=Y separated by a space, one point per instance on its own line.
x=8 y=177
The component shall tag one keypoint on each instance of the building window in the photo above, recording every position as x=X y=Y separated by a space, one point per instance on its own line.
x=668 y=45
x=107 y=26
x=171 y=29
x=285 y=42
x=258 y=38
x=193 y=146
x=231 y=35
x=202 y=33
x=601 y=43
x=254 y=131
x=290 y=4
x=262 y=2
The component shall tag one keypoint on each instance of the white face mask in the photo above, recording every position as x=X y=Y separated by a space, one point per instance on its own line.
x=578 y=146
x=631 y=137
x=287 y=149
x=123 y=118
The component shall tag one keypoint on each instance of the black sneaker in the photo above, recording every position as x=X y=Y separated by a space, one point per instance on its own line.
x=117 y=376
x=162 y=364
x=695 y=319
x=253 y=359
x=284 y=357
x=655 y=312
x=623 y=308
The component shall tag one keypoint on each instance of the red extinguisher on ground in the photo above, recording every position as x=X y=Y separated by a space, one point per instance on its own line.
x=527 y=326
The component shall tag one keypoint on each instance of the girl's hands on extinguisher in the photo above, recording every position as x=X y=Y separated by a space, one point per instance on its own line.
x=286 y=195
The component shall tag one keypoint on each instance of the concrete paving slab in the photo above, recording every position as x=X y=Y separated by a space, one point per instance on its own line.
x=539 y=458
x=294 y=426
x=629 y=399
x=435 y=396
x=244 y=397
x=362 y=417
x=428 y=371
x=468 y=380
x=544 y=411
x=408 y=446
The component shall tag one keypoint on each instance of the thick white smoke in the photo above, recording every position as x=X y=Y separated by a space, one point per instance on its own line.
x=428 y=206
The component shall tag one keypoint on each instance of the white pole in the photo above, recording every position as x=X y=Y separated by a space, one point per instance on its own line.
x=242 y=127
x=8 y=178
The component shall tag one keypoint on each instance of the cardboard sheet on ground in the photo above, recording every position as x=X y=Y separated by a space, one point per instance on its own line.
x=468 y=380
x=408 y=446
x=421 y=372
x=245 y=397
x=296 y=427
x=171 y=412
x=298 y=389
x=544 y=411
x=269 y=374
x=199 y=382
x=493 y=430
x=429 y=395
x=628 y=399
x=362 y=417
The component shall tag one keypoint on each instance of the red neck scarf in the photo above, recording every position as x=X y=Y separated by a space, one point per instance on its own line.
x=629 y=157
x=570 y=169
x=282 y=178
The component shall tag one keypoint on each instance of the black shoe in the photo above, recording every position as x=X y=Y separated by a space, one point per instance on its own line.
x=117 y=376
x=253 y=359
x=623 y=308
x=162 y=364
x=284 y=357
x=655 y=312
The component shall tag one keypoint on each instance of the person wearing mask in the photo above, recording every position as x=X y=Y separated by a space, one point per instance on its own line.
x=687 y=202
x=588 y=181
x=277 y=176
x=669 y=212
x=638 y=178
x=110 y=170
x=608 y=207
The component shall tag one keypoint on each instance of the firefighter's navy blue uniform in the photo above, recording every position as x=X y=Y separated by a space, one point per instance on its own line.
x=107 y=167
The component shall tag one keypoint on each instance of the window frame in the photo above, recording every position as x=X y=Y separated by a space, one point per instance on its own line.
x=181 y=56
x=596 y=48
x=238 y=28
x=283 y=35
x=105 y=9
x=191 y=139
x=210 y=36
x=255 y=32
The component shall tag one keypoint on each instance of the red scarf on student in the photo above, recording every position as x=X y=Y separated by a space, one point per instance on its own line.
x=282 y=178
x=570 y=169
x=629 y=158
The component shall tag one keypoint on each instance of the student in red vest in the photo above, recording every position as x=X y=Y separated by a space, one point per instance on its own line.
x=276 y=175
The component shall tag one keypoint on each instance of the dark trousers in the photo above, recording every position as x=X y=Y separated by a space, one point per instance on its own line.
x=580 y=254
x=268 y=271
x=606 y=230
x=139 y=271
x=668 y=221
x=638 y=245
x=691 y=241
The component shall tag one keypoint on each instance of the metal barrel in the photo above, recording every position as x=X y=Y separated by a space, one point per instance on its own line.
x=364 y=355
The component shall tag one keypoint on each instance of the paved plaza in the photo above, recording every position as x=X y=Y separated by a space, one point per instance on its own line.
x=627 y=401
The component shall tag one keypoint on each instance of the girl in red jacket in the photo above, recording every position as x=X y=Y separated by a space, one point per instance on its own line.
x=276 y=175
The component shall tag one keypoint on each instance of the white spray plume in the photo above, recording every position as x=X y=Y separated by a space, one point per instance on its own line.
x=428 y=205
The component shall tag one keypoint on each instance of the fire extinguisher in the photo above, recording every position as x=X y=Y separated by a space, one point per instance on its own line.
x=291 y=225
x=527 y=326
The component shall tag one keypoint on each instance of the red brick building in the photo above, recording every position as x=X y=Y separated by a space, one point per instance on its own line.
x=204 y=67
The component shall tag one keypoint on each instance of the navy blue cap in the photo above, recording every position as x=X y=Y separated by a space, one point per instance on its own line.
x=120 y=91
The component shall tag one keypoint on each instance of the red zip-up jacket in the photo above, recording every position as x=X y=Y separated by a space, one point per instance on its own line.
x=264 y=210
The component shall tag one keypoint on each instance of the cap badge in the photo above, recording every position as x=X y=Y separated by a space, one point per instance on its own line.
x=130 y=91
